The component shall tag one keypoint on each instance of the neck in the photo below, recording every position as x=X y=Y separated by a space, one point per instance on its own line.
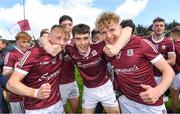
x=158 y=37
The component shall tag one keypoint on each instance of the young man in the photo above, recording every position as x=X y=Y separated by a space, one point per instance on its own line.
x=133 y=67
x=10 y=62
x=68 y=86
x=39 y=72
x=175 y=34
x=163 y=44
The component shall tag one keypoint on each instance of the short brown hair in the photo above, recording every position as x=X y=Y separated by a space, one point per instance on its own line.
x=158 y=19
x=106 y=19
x=23 y=35
x=176 y=30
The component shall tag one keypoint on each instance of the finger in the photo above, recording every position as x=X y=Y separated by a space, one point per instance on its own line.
x=145 y=86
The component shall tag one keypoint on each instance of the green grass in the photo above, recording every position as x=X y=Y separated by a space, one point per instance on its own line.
x=80 y=85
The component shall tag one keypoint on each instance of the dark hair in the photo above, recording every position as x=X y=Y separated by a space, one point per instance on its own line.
x=128 y=23
x=44 y=31
x=4 y=41
x=81 y=29
x=94 y=32
x=158 y=19
x=65 y=17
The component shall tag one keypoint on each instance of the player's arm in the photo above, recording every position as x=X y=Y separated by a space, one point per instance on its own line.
x=51 y=49
x=152 y=94
x=7 y=72
x=171 y=58
x=15 y=85
x=112 y=50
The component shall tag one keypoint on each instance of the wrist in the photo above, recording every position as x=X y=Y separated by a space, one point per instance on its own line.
x=36 y=93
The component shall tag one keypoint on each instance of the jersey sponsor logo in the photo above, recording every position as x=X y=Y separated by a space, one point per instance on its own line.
x=86 y=65
x=47 y=76
x=130 y=52
x=94 y=53
x=127 y=70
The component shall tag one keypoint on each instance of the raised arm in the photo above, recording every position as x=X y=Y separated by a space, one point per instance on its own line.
x=112 y=50
x=51 y=49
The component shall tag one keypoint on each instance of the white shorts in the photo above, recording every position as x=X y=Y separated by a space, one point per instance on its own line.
x=56 y=108
x=176 y=82
x=131 y=107
x=157 y=79
x=103 y=94
x=69 y=90
x=17 y=107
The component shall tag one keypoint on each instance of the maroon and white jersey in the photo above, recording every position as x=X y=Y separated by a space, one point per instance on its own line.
x=177 y=50
x=68 y=71
x=165 y=46
x=39 y=68
x=10 y=62
x=92 y=68
x=133 y=66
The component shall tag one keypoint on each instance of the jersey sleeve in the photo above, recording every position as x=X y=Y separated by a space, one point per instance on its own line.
x=150 y=52
x=9 y=61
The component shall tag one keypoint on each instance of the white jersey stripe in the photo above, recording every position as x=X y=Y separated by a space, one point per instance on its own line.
x=150 y=44
x=25 y=56
x=156 y=59
x=21 y=71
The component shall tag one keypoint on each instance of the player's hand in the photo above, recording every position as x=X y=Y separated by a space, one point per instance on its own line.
x=43 y=92
x=110 y=50
x=53 y=49
x=150 y=95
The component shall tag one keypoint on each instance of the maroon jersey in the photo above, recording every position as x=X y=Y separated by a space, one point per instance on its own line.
x=164 y=46
x=133 y=66
x=10 y=62
x=39 y=68
x=67 y=72
x=177 y=50
x=92 y=68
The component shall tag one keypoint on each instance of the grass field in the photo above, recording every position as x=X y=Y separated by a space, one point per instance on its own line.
x=80 y=85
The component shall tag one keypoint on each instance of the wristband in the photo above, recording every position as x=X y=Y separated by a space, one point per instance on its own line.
x=36 y=92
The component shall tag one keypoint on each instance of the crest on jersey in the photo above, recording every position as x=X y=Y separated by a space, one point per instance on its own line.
x=54 y=61
x=130 y=52
x=163 y=46
x=94 y=52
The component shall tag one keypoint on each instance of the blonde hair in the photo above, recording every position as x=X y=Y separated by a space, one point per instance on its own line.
x=23 y=35
x=60 y=29
x=106 y=19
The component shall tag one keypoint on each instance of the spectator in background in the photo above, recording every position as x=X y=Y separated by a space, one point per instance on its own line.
x=175 y=87
x=3 y=80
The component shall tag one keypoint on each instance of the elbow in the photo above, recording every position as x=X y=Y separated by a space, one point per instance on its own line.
x=10 y=85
